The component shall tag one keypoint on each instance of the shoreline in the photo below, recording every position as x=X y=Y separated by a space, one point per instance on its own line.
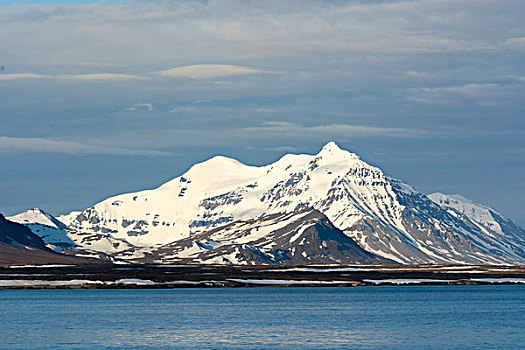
x=220 y=285
x=109 y=276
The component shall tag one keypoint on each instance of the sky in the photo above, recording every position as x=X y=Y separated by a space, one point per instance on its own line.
x=99 y=98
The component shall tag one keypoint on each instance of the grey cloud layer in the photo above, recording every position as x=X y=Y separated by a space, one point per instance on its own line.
x=198 y=71
x=188 y=32
x=39 y=145
x=431 y=90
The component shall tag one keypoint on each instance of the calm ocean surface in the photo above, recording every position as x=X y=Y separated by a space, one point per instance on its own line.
x=422 y=317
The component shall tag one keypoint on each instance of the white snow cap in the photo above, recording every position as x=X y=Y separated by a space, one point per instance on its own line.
x=331 y=148
x=332 y=151
x=32 y=216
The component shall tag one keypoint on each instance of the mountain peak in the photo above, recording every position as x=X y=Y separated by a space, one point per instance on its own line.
x=332 y=150
x=218 y=164
x=36 y=216
x=331 y=147
x=33 y=212
x=453 y=199
x=37 y=211
x=460 y=198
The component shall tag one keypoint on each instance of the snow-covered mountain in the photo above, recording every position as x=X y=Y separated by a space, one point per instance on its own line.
x=222 y=190
x=207 y=213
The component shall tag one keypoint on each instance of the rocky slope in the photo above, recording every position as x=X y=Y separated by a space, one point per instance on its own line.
x=302 y=237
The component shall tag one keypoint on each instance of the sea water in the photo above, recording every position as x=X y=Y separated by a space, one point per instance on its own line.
x=402 y=317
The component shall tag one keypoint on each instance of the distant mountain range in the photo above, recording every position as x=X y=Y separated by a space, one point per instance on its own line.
x=331 y=207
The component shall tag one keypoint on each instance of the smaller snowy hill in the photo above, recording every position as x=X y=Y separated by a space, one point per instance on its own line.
x=60 y=237
x=20 y=246
x=473 y=211
x=15 y=234
x=50 y=229
x=488 y=219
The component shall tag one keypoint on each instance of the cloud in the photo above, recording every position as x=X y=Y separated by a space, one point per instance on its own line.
x=480 y=93
x=25 y=144
x=221 y=31
x=84 y=77
x=200 y=71
x=207 y=71
x=516 y=150
x=418 y=75
x=518 y=78
x=473 y=90
x=101 y=77
x=281 y=149
x=141 y=107
x=284 y=129
x=266 y=135
x=517 y=42
x=17 y=76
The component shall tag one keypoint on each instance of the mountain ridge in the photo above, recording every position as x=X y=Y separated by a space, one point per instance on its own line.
x=383 y=215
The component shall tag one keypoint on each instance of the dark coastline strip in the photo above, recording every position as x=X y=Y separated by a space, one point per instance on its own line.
x=108 y=276
x=239 y=285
